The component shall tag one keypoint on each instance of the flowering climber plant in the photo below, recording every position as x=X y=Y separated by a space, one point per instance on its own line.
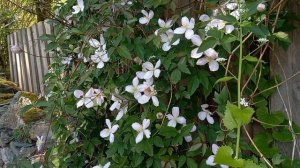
x=136 y=63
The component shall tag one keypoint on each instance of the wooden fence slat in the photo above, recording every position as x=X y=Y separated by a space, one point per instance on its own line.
x=10 y=59
x=19 y=74
x=38 y=54
x=15 y=70
x=22 y=61
x=47 y=30
x=27 y=62
x=32 y=61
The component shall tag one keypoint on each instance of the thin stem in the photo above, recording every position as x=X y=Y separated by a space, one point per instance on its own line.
x=239 y=85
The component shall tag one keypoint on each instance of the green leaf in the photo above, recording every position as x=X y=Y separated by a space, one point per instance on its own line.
x=236 y=117
x=264 y=143
x=224 y=156
x=215 y=33
x=124 y=52
x=250 y=164
x=193 y=84
x=282 y=36
x=183 y=68
x=251 y=58
x=271 y=119
x=168 y=131
x=176 y=76
x=158 y=141
x=210 y=42
x=224 y=79
x=282 y=134
x=51 y=46
x=228 y=18
x=181 y=162
x=191 y=163
x=195 y=147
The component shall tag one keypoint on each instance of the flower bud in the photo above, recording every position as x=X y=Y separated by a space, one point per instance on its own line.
x=159 y=116
x=261 y=7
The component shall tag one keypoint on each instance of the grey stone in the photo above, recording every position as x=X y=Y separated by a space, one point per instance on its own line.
x=27 y=152
x=39 y=129
x=5 y=136
x=7 y=155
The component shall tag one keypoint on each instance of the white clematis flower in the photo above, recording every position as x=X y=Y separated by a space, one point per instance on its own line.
x=163 y=25
x=244 y=102
x=79 y=7
x=66 y=60
x=261 y=7
x=40 y=142
x=211 y=159
x=205 y=114
x=98 y=96
x=189 y=137
x=204 y=18
x=97 y=44
x=186 y=28
x=174 y=118
x=100 y=166
x=167 y=38
x=117 y=103
x=149 y=70
x=84 y=99
x=109 y=132
x=100 y=57
x=149 y=93
x=210 y=57
x=196 y=40
x=215 y=23
x=147 y=17
x=134 y=88
x=142 y=130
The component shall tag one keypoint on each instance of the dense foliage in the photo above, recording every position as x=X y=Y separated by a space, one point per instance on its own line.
x=155 y=84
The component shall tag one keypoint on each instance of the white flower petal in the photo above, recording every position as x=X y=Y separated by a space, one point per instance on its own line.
x=213 y=65
x=172 y=123
x=135 y=81
x=139 y=137
x=180 y=30
x=155 y=101
x=88 y=103
x=196 y=40
x=147 y=133
x=148 y=75
x=202 y=115
x=202 y=61
x=104 y=133
x=166 y=46
x=146 y=123
x=156 y=73
x=119 y=115
x=195 y=54
x=204 y=18
x=188 y=138
x=151 y=14
x=161 y=23
x=214 y=148
x=94 y=43
x=185 y=21
x=79 y=103
x=114 y=128
x=157 y=65
x=78 y=93
x=137 y=126
x=148 y=65
x=140 y=74
x=143 y=20
x=210 y=119
x=189 y=34
x=181 y=120
x=100 y=65
x=145 y=13
x=106 y=165
x=175 y=111
x=111 y=138
x=229 y=29
x=211 y=53
x=210 y=160
x=129 y=89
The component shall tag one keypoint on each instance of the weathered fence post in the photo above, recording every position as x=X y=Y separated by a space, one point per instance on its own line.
x=286 y=64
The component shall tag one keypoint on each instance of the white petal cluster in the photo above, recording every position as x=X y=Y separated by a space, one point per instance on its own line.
x=205 y=114
x=164 y=25
x=107 y=165
x=141 y=130
x=66 y=60
x=187 y=26
x=100 y=56
x=79 y=7
x=126 y=2
x=166 y=39
x=147 y=17
x=244 y=102
x=211 y=159
x=175 y=119
x=145 y=91
x=119 y=105
x=40 y=142
x=109 y=131
x=89 y=97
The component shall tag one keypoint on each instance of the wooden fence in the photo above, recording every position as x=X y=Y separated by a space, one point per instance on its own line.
x=27 y=68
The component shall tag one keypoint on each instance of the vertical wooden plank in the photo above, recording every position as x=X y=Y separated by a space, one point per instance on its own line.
x=10 y=59
x=40 y=27
x=19 y=74
x=32 y=61
x=38 y=54
x=22 y=61
x=286 y=64
x=15 y=73
x=28 y=66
